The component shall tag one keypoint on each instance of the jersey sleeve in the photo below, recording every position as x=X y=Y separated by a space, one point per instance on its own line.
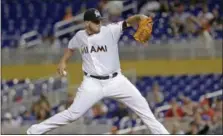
x=73 y=43
x=116 y=29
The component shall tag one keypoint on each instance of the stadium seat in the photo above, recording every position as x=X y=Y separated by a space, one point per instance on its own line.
x=193 y=86
x=24 y=13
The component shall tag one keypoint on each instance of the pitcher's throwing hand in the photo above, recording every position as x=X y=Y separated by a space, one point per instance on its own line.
x=62 y=69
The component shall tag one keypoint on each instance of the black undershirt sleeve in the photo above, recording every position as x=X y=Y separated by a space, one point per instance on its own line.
x=124 y=25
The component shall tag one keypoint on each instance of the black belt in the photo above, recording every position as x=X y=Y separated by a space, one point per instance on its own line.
x=102 y=77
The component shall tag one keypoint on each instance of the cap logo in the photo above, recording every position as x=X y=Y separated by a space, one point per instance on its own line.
x=97 y=13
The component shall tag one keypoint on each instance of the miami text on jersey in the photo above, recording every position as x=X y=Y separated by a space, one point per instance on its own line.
x=98 y=48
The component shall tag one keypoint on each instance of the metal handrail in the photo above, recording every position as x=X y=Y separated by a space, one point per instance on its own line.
x=162 y=108
x=70 y=29
x=190 y=50
x=208 y=95
x=26 y=44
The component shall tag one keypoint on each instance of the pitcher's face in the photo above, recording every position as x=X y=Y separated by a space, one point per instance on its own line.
x=95 y=26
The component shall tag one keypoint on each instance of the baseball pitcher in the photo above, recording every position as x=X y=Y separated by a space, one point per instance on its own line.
x=102 y=72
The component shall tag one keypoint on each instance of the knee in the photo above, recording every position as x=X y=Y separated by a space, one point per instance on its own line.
x=74 y=115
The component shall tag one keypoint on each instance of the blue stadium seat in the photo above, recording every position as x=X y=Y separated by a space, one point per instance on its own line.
x=42 y=10
x=173 y=87
x=190 y=85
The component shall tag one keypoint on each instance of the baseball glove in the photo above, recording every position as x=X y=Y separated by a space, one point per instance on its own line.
x=144 y=30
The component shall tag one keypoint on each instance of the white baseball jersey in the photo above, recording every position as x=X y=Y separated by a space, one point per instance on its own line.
x=99 y=51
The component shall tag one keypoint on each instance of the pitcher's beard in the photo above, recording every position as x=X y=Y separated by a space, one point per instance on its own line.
x=93 y=31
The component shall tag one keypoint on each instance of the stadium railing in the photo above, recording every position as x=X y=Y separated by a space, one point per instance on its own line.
x=208 y=96
x=171 y=51
x=27 y=92
x=54 y=96
x=77 y=127
x=30 y=39
x=60 y=28
x=143 y=128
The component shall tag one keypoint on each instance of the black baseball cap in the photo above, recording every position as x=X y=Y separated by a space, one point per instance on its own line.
x=92 y=14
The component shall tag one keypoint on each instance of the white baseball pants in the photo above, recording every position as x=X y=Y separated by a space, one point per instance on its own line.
x=90 y=92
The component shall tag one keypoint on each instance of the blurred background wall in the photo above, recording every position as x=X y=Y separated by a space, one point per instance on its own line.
x=142 y=67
